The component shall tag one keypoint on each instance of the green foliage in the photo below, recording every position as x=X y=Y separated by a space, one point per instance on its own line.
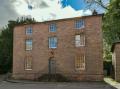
x=6 y=44
x=97 y=3
x=108 y=67
x=107 y=56
x=53 y=78
x=111 y=27
x=111 y=22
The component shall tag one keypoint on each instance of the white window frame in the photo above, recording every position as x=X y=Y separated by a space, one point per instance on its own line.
x=81 y=67
x=28 y=63
x=27 y=43
x=52 y=27
x=78 y=41
x=54 y=43
x=79 y=24
x=29 y=30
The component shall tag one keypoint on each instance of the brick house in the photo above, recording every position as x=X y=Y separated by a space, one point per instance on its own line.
x=71 y=47
x=116 y=60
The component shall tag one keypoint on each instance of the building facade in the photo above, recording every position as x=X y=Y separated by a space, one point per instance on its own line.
x=71 y=47
x=116 y=60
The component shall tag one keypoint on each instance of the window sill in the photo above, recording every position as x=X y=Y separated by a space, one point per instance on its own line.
x=28 y=69
x=28 y=50
x=52 y=31
x=80 y=46
x=79 y=28
x=80 y=69
x=53 y=48
x=29 y=34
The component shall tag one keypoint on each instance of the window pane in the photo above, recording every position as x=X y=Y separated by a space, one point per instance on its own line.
x=79 y=40
x=52 y=28
x=80 y=62
x=79 y=24
x=28 y=63
x=52 y=42
x=82 y=37
x=28 y=30
x=28 y=44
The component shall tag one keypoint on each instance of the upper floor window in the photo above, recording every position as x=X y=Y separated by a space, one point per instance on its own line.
x=52 y=27
x=29 y=30
x=79 y=40
x=79 y=24
x=52 y=42
x=28 y=44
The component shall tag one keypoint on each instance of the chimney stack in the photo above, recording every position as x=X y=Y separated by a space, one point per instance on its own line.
x=94 y=12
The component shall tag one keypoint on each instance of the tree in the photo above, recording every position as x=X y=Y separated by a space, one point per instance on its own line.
x=100 y=3
x=88 y=4
x=111 y=22
x=111 y=27
x=6 y=43
x=107 y=56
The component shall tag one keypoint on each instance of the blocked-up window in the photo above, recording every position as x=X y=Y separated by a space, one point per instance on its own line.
x=52 y=42
x=80 y=62
x=28 y=63
x=28 y=44
x=79 y=40
x=79 y=24
x=52 y=27
x=29 y=30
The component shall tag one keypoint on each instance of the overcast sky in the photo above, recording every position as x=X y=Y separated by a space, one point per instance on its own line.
x=7 y=12
x=41 y=9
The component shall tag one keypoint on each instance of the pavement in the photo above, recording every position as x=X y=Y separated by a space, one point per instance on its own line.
x=2 y=77
x=18 y=84
x=112 y=82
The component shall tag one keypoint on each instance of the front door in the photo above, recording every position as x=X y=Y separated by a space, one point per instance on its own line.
x=52 y=66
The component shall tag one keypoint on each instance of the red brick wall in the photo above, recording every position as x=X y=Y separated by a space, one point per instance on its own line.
x=116 y=61
x=66 y=51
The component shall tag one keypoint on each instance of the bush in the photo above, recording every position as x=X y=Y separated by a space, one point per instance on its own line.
x=108 y=67
x=53 y=78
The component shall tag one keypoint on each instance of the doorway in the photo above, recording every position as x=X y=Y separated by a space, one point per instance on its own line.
x=52 y=66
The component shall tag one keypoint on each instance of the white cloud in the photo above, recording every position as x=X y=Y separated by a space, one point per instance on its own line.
x=7 y=12
x=54 y=11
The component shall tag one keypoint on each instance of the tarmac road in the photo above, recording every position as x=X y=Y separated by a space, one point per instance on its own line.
x=80 y=85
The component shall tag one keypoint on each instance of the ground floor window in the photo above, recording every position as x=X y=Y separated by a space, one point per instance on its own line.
x=80 y=62
x=28 y=63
